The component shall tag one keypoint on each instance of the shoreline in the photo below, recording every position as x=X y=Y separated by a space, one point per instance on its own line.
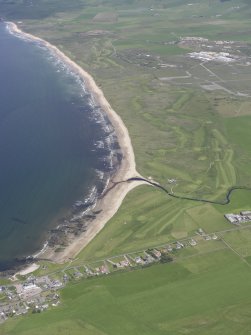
x=111 y=201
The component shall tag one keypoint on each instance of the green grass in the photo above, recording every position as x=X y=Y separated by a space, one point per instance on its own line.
x=178 y=130
x=149 y=218
x=205 y=294
x=238 y=131
x=172 y=119
x=240 y=241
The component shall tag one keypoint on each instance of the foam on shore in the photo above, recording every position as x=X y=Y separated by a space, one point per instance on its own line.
x=110 y=203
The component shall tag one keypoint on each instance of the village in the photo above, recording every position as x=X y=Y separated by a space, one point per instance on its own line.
x=35 y=294
x=219 y=51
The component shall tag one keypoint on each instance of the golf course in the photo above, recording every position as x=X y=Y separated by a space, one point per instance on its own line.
x=178 y=74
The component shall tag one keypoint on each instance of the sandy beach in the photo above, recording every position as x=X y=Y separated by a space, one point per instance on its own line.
x=110 y=203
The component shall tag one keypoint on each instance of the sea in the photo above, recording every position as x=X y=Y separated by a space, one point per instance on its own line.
x=56 y=147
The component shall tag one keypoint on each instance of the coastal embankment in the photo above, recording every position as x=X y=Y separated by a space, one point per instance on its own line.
x=108 y=204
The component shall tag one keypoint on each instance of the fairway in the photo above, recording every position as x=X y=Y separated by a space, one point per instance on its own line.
x=178 y=74
x=149 y=218
x=181 y=107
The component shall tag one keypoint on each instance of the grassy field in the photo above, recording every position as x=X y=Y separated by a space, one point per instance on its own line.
x=178 y=119
x=189 y=121
x=150 y=218
x=200 y=295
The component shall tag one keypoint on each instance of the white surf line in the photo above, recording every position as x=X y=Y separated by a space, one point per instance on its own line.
x=113 y=200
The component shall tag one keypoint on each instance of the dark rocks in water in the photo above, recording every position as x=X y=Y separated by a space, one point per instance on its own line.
x=119 y=156
x=80 y=123
x=15 y=265
x=24 y=259
x=55 y=239
x=115 y=146
x=7 y=273
x=82 y=205
x=80 y=225
x=97 y=212
x=90 y=216
x=55 y=231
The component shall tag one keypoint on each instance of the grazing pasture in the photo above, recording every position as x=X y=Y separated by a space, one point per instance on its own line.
x=178 y=73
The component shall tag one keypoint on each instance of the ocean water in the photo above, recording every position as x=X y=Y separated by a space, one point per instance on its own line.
x=54 y=145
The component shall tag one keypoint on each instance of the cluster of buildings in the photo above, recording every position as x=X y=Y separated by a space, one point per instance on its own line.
x=219 y=51
x=206 y=237
x=147 y=257
x=199 y=43
x=193 y=39
x=124 y=263
x=213 y=56
x=100 y=270
x=35 y=295
x=244 y=216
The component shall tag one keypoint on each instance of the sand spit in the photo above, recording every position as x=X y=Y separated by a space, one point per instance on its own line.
x=26 y=270
x=110 y=203
x=31 y=268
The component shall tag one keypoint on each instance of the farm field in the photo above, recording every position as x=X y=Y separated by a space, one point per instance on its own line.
x=189 y=116
x=140 y=55
x=200 y=295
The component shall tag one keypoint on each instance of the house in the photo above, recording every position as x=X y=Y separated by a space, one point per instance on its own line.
x=192 y=242
x=156 y=253
x=179 y=244
x=139 y=260
x=103 y=269
x=169 y=248
x=124 y=263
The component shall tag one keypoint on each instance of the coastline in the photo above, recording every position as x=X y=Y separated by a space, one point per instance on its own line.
x=108 y=204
